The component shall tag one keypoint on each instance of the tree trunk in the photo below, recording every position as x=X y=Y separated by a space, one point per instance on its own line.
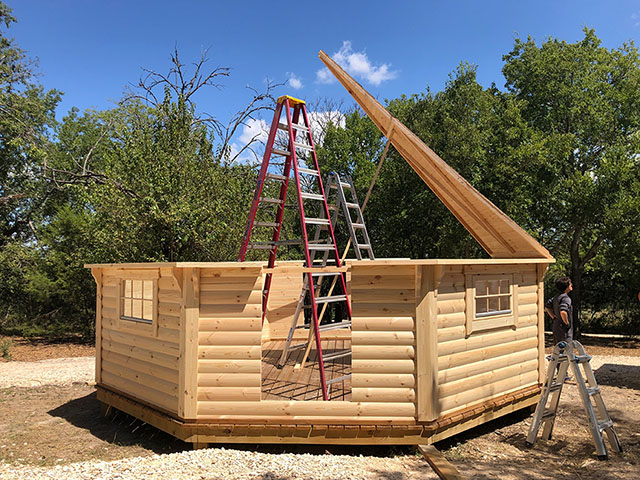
x=576 y=296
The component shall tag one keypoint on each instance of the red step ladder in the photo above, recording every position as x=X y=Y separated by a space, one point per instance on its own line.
x=300 y=146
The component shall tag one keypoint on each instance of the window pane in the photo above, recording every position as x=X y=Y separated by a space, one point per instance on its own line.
x=481 y=287
x=137 y=289
x=126 y=307
x=148 y=289
x=147 y=310
x=505 y=303
x=494 y=304
x=127 y=288
x=481 y=305
x=137 y=309
x=494 y=286
x=504 y=286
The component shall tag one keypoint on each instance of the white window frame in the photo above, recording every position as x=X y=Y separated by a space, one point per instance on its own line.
x=489 y=320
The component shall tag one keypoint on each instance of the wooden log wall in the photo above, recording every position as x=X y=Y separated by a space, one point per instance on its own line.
x=229 y=337
x=383 y=336
x=286 y=285
x=482 y=365
x=138 y=363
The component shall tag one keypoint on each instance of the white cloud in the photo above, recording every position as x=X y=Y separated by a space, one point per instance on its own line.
x=358 y=65
x=254 y=129
x=320 y=120
x=294 y=82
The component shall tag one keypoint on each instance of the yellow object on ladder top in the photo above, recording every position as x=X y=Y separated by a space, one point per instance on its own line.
x=292 y=101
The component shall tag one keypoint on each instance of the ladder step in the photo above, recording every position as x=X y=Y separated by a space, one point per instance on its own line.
x=582 y=358
x=332 y=356
x=278 y=151
x=555 y=386
x=316 y=221
x=364 y=246
x=352 y=205
x=548 y=414
x=271 y=200
x=335 y=326
x=273 y=176
x=265 y=224
x=284 y=126
x=322 y=247
x=326 y=274
x=606 y=424
x=311 y=196
x=302 y=146
x=593 y=390
x=338 y=379
x=359 y=225
x=331 y=299
x=308 y=171
x=342 y=184
x=271 y=244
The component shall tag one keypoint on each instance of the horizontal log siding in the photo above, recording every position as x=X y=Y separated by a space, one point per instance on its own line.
x=489 y=363
x=140 y=364
x=229 y=337
x=283 y=299
x=383 y=336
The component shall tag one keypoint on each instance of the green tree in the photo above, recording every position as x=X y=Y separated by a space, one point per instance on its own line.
x=585 y=99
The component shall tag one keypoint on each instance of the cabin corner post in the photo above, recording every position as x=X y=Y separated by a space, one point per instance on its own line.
x=188 y=374
x=427 y=278
x=97 y=276
x=541 y=269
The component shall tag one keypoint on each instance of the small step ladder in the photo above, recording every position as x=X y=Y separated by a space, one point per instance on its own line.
x=299 y=146
x=599 y=419
x=347 y=206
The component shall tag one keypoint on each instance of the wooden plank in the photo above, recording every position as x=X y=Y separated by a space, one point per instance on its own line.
x=148 y=368
x=228 y=366
x=439 y=463
x=382 y=338
x=97 y=275
x=541 y=270
x=231 y=311
x=376 y=380
x=229 y=393
x=383 y=366
x=230 y=324
x=382 y=324
x=383 y=394
x=230 y=338
x=486 y=340
x=142 y=392
x=378 y=352
x=427 y=279
x=231 y=297
x=189 y=344
x=223 y=352
x=293 y=409
x=142 y=379
x=473 y=356
x=139 y=353
x=496 y=232
x=134 y=340
x=228 y=380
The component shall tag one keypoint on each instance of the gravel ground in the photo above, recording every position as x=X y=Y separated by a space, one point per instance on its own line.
x=214 y=463
x=219 y=463
x=56 y=371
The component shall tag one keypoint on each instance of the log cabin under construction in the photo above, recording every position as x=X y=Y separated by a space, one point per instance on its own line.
x=437 y=346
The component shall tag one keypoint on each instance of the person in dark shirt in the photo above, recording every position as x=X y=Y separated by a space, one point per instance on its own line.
x=560 y=310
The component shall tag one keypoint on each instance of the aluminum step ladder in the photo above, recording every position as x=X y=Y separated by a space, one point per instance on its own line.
x=599 y=419
x=347 y=206
x=310 y=197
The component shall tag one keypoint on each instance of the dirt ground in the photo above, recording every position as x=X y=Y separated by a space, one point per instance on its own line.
x=57 y=425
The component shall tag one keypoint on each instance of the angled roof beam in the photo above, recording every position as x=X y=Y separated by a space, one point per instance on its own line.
x=496 y=232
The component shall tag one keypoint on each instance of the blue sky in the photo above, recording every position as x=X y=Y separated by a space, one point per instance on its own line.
x=91 y=49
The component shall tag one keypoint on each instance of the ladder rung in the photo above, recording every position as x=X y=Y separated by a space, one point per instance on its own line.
x=555 y=386
x=358 y=225
x=352 y=205
x=269 y=245
x=331 y=299
x=274 y=176
x=278 y=151
x=311 y=196
x=326 y=274
x=605 y=424
x=316 y=221
x=593 y=390
x=548 y=414
x=338 y=379
x=582 y=358
x=303 y=146
x=299 y=345
x=342 y=184
x=335 y=326
x=284 y=126
x=322 y=247
x=364 y=246
x=332 y=356
x=265 y=224
x=271 y=200
x=308 y=171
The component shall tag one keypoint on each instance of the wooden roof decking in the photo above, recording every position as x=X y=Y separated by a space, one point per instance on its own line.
x=498 y=234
